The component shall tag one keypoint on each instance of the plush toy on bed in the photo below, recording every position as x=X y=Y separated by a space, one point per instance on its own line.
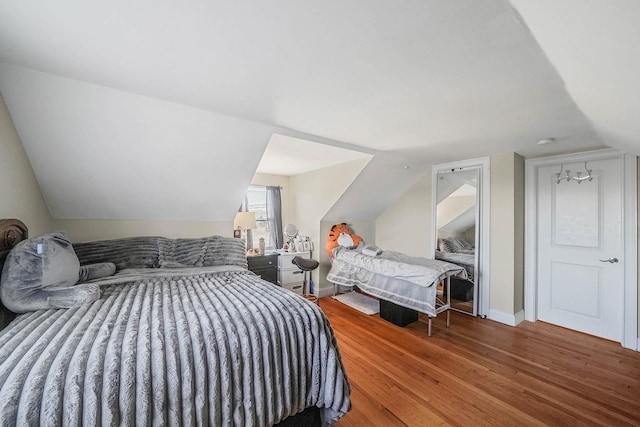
x=339 y=235
x=44 y=272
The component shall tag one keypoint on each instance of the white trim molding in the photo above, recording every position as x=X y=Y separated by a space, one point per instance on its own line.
x=506 y=318
x=630 y=236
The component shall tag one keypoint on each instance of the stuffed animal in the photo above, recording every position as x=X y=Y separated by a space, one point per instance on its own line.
x=44 y=272
x=339 y=235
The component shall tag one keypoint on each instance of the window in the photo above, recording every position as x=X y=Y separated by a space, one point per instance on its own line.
x=261 y=200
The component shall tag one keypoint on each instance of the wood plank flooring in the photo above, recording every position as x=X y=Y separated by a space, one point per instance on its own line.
x=482 y=373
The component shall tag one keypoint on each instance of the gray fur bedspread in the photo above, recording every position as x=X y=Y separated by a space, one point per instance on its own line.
x=199 y=346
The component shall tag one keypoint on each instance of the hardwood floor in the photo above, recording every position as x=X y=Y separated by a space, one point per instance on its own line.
x=479 y=372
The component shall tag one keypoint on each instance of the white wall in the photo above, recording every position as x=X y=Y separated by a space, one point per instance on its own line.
x=81 y=230
x=20 y=195
x=22 y=199
x=519 y=232
x=406 y=226
x=86 y=230
x=507 y=241
x=312 y=195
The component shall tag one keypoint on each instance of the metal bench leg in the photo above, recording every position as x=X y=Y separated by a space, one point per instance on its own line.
x=448 y=301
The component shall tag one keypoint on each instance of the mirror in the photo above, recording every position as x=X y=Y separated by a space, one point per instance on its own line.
x=290 y=232
x=456 y=218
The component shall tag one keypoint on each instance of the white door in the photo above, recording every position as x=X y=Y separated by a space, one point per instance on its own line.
x=580 y=281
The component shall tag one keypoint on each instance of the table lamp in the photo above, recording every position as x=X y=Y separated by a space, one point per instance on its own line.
x=245 y=221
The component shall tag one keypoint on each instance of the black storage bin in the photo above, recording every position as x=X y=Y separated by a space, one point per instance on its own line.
x=396 y=314
x=461 y=289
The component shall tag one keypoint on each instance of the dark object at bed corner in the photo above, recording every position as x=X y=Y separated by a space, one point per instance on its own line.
x=397 y=314
x=6 y=316
x=12 y=232
x=310 y=417
x=461 y=289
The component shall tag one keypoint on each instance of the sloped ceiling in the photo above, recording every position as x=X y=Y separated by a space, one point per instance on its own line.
x=289 y=156
x=595 y=46
x=152 y=110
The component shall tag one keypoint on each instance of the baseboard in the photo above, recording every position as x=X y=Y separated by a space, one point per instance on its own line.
x=635 y=345
x=507 y=319
x=328 y=290
x=519 y=317
x=325 y=292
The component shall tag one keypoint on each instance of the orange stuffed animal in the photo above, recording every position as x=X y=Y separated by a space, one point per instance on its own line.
x=334 y=235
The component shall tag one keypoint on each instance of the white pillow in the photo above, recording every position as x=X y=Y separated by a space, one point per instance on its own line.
x=345 y=240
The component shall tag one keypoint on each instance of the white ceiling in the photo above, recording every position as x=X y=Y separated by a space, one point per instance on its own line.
x=595 y=47
x=289 y=156
x=152 y=110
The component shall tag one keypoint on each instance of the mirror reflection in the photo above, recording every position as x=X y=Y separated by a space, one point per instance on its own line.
x=457 y=232
x=291 y=232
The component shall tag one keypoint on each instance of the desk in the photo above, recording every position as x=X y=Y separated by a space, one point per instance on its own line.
x=289 y=275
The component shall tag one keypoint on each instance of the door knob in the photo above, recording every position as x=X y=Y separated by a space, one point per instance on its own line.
x=611 y=260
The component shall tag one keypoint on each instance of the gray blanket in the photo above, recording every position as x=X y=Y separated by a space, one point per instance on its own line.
x=173 y=347
x=466 y=260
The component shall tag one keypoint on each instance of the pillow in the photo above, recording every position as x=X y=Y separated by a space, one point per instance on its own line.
x=345 y=240
x=96 y=271
x=126 y=252
x=447 y=246
x=461 y=244
x=41 y=273
x=454 y=244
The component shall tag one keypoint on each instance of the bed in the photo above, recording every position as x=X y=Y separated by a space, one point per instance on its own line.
x=181 y=334
x=464 y=260
x=401 y=279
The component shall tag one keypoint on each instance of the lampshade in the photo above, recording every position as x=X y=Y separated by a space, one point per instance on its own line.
x=244 y=221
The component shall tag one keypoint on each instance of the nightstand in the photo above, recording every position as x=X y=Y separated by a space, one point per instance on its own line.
x=289 y=275
x=264 y=266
